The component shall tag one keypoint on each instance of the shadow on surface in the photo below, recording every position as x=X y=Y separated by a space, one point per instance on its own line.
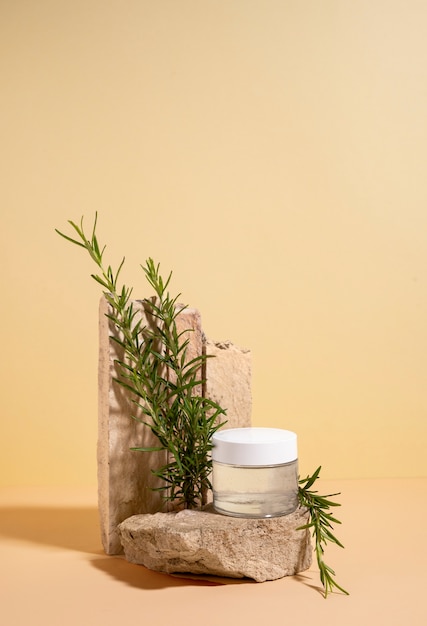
x=306 y=580
x=142 y=578
x=70 y=528
x=78 y=529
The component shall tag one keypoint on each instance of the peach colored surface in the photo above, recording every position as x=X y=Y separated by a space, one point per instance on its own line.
x=53 y=570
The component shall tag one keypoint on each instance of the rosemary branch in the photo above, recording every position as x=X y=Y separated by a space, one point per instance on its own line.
x=164 y=383
x=321 y=522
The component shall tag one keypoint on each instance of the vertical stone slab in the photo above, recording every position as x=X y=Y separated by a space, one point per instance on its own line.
x=228 y=381
x=125 y=479
x=124 y=476
x=189 y=323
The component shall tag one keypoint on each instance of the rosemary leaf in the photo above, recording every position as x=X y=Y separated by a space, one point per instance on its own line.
x=321 y=525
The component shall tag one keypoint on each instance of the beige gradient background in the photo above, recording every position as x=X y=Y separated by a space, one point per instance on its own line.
x=273 y=154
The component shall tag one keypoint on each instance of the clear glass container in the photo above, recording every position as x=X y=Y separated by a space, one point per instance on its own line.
x=255 y=472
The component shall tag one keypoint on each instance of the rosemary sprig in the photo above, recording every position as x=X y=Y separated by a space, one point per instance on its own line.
x=321 y=523
x=164 y=383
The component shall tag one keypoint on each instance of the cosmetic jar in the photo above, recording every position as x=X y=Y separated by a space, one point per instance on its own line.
x=255 y=472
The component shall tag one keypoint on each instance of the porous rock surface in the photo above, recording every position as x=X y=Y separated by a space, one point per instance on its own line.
x=228 y=380
x=204 y=542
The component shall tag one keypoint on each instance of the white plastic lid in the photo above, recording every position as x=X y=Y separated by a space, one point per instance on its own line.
x=254 y=446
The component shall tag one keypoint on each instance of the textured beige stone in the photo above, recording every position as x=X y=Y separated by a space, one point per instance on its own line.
x=228 y=381
x=122 y=474
x=204 y=542
x=189 y=323
x=125 y=479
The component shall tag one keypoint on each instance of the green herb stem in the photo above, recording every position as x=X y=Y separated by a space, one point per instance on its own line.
x=165 y=384
x=321 y=522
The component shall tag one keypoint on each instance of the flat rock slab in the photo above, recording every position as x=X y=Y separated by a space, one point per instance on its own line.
x=205 y=542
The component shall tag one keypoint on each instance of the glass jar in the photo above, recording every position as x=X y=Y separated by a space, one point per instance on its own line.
x=255 y=472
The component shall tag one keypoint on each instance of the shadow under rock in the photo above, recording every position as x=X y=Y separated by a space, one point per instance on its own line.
x=78 y=529
x=69 y=528
x=143 y=578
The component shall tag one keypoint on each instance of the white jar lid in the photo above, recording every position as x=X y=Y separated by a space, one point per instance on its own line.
x=254 y=446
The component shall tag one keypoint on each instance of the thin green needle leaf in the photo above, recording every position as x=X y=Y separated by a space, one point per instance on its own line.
x=78 y=243
x=148 y=449
x=309 y=481
x=321 y=525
